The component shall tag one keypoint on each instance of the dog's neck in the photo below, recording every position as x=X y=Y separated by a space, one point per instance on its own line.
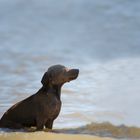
x=56 y=89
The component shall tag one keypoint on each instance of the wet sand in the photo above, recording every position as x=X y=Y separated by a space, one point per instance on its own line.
x=48 y=136
x=93 y=131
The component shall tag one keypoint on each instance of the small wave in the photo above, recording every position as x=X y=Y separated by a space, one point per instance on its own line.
x=106 y=129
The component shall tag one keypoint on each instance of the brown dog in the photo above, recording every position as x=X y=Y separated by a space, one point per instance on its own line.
x=42 y=108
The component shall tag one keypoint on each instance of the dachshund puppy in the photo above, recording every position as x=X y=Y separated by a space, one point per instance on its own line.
x=42 y=108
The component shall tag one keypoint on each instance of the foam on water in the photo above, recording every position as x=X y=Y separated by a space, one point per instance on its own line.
x=106 y=130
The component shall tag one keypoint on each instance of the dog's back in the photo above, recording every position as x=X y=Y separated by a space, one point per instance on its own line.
x=43 y=105
x=21 y=113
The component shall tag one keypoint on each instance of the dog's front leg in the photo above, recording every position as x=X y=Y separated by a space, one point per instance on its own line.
x=39 y=124
x=49 y=124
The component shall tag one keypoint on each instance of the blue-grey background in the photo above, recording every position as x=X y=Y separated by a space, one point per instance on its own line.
x=100 y=37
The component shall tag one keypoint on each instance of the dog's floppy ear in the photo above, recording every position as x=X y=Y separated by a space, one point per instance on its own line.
x=45 y=79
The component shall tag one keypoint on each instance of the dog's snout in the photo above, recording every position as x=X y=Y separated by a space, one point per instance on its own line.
x=75 y=71
x=73 y=74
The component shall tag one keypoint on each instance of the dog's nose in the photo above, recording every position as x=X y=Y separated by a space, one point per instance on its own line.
x=74 y=71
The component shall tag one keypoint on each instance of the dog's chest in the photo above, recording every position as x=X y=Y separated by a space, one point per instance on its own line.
x=54 y=106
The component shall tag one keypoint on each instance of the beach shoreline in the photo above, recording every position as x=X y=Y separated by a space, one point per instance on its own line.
x=49 y=136
x=93 y=131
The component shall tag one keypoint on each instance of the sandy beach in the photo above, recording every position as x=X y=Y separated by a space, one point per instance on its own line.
x=93 y=131
x=48 y=136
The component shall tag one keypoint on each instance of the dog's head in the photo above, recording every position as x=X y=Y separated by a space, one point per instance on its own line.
x=58 y=75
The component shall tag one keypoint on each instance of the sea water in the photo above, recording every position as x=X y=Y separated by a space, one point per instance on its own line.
x=100 y=37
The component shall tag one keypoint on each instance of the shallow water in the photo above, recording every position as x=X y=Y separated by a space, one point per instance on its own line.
x=101 y=38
